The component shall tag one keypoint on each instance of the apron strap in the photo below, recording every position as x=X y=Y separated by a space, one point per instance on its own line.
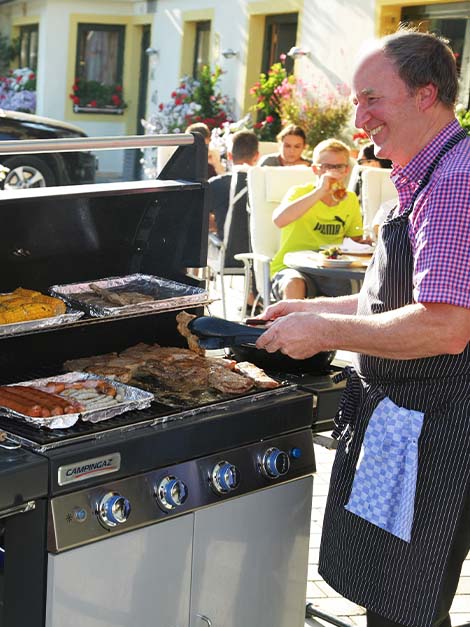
x=346 y=414
x=453 y=141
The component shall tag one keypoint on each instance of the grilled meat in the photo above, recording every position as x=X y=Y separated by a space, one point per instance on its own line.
x=258 y=376
x=183 y=319
x=227 y=381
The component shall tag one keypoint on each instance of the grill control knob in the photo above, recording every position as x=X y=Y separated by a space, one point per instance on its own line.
x=171 y=493
x=113 y=509
x=225 y=477
x=275 y=463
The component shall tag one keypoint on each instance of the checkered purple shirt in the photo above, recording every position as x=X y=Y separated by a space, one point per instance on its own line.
x=440 y=223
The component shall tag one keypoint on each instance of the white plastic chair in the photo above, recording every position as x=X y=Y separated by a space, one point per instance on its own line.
x=220 y=254
x=267 y=187
x=377 y=187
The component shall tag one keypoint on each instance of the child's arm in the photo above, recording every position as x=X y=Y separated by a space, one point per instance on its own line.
x=289 y=211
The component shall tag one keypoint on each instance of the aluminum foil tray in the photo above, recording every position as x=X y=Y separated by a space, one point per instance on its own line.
x=15 y=328
x=166 y=295
x=132 y=398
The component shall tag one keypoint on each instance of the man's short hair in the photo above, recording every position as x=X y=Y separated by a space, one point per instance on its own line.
x=423 y=58
x=335 y=145
x=244 y=145
x=200 y=127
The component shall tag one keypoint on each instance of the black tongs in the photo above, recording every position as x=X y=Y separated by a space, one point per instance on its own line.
x=218 y=333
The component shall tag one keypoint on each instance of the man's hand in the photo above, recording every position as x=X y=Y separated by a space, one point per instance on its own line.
x=296 y=335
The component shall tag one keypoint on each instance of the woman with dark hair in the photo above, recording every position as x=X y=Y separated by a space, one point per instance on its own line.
x=367 y=157
x=292 y=142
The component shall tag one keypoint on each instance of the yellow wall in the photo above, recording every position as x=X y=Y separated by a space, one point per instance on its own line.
x=257 y=12
x=130 y=79
x=388 y=13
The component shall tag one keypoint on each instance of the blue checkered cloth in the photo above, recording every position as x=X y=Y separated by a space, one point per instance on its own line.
x=384 y=486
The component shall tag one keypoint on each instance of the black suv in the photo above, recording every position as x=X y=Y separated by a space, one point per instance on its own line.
x=41 y=170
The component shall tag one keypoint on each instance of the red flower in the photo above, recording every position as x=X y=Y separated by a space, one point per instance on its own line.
x=160 y=106
x=75 y=99
x=173 y=94
x=116 y=100
x=75 y=87
x=178 y=101
x=269 y=119
x=32 y=76
x=93 y=103
x=118 y=88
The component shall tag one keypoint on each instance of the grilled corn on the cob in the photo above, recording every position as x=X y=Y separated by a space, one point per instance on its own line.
x=22 y=305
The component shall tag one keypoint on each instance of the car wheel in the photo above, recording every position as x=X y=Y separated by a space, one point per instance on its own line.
x=26 y=172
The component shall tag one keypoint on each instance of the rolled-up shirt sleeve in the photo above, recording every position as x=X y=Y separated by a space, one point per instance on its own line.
x=440 y=235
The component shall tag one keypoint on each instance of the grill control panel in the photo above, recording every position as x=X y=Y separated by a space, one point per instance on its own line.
x=96 y=513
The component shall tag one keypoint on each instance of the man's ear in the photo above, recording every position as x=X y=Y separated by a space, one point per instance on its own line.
x=229 y=156
x=426 y=96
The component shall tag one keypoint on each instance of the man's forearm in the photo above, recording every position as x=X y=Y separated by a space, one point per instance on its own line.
x=346 y=305
x=412 y=332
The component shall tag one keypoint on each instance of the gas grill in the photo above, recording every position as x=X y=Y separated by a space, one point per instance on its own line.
x=169 y=516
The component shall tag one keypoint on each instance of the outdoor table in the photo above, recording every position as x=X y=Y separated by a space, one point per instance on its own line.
x=304 y=261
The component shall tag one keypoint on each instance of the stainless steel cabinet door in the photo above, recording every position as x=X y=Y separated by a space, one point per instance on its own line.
x=250 y=559
x=137 y=579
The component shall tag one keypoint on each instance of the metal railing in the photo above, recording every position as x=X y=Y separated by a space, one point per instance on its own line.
x=34 y=146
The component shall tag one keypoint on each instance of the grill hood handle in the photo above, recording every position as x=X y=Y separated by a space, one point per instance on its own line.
x=218 y=333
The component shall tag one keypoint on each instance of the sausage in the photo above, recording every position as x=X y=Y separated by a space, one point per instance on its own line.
x=23 y=406
x=50 y=401
x=25 y=395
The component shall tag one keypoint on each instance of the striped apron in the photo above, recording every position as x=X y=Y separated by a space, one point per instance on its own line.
x=403 y=582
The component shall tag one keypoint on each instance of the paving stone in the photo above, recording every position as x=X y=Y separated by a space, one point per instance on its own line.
x=314 y=591
x=461 y=604
x=328 y=590
x=337 y=606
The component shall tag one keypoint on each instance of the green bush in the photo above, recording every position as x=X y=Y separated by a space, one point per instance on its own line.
x=463 y=116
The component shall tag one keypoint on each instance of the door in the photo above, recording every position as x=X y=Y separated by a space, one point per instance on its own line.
x=250 y=558
x=280 y=36
x=136 y=579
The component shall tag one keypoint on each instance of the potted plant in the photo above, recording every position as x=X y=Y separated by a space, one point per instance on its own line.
x=267 y=91
x=18 y=90
x=323 y=112
x=193 y=100
x=95 y=97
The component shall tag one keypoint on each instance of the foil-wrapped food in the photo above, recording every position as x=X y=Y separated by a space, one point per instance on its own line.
x=132 y=294
x=58 y=402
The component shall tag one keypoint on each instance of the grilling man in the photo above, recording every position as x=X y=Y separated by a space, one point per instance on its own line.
x=397 y=523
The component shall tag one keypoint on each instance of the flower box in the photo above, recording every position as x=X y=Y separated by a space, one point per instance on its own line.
x=107 y=110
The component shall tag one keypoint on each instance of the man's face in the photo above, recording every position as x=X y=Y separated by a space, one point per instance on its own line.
x=385 y=110
x=292 y=148
x=334 y=164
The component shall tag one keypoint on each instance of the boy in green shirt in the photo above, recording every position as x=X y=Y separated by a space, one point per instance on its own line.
x=314 y=216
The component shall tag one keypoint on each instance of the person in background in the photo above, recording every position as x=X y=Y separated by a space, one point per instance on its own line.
x=367 y=157
x=312 y=216
x=230 y=191
x=214 y=163
x=397 y=522
x=292 y=142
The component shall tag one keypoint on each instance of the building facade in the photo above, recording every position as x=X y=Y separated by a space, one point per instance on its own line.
x=140 y=49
